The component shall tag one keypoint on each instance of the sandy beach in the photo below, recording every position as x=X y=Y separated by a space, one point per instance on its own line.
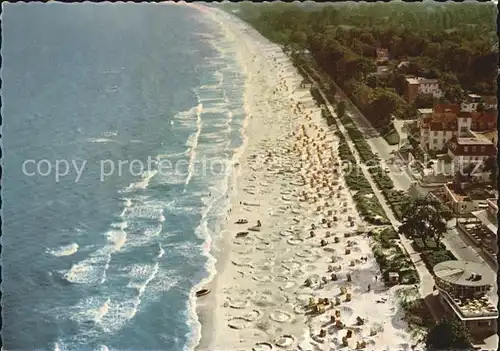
x=294 y=264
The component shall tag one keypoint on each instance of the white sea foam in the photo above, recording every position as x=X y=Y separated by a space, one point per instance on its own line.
x=100 y=140
x=90 y=270
x=193 y=144
x=127 y=202
x=101 y=311
x=120 y=225
x=110 y=134
x=160 y=157
x=161 y=252
x=66 y=250
x=144 y=182
x=117 y=238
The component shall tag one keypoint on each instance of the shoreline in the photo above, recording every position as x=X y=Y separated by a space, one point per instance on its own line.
x=258 y=300
x=220 y=245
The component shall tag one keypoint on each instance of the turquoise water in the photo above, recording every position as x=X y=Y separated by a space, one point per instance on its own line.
x=93 y=262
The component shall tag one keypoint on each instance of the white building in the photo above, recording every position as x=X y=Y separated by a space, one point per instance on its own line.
x=470 y=103
x=467 y=150
x=423 y=113
x=415 y=86
x=467 y=198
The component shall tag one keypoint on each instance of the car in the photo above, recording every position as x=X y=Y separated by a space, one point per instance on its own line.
x=387 y=170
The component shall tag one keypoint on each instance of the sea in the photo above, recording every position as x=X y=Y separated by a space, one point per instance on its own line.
x=120 y=125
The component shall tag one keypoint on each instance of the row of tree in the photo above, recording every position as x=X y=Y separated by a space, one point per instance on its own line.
x=456 y=44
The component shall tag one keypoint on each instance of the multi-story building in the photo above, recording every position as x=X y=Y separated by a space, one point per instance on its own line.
x=469 y=150
x=483 y=121
x=438 y=129
x=424 y=113
x=465 y=292
x=472 y=101
x=482 y=228
x=435 y=135
x=415 y=86
x=465 y=198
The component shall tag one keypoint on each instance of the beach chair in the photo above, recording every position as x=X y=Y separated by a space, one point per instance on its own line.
x=241 y=234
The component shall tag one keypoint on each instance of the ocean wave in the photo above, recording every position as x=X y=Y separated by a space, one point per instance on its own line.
x=216 y=108
x=160 y=157
x=127 y=202
x=90 y=270
x=101 y=311
x=66 y=250
x=193 y=143
x=144 y=182
x=109 y=134
x=100 y=140
x=117 y=238
x=149 y=210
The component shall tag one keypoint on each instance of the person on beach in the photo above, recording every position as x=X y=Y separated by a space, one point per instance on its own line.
x=376 y=278
x=369 y=287
x=259 y=224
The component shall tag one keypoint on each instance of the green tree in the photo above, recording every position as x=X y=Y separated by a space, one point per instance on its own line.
x=382 y=107
x=491 y=165
x=424 y=101
x=372 y=81
x=424 y=218
x=454 y=93
x=449 y=335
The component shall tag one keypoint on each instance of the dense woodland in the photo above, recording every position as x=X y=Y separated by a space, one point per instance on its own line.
x=454 y=42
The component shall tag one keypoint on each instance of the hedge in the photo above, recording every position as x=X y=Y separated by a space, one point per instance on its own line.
x=391 y=258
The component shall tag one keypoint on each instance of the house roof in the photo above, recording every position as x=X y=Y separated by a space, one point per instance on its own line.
x=473 y=141
x=443 y=125
x=459 y=272
x=474 y=96
x=483 y=216
x=492 y=135
x=403 y=63
x=484 y=117
x=470 y=192
x=425 y=111
x=420 y=80
x=464 y=114
x=471 y=147
x=447 y=108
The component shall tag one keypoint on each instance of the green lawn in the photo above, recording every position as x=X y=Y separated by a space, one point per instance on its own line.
x=392 y=137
